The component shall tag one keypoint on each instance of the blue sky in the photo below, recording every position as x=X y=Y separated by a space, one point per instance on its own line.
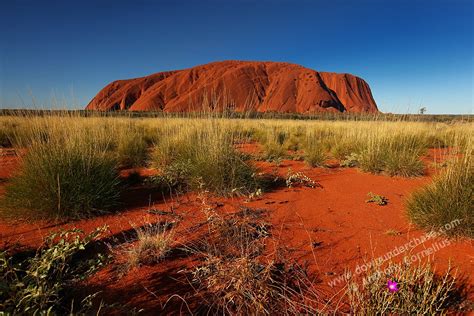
x=412 y=53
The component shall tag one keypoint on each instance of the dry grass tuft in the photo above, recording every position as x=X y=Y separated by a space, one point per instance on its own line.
x=154 y=241
x=236 y=277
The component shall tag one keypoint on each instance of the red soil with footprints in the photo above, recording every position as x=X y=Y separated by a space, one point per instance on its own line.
x=331 y=228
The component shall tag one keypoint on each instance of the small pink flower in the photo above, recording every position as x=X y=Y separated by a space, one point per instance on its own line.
x=392 y=286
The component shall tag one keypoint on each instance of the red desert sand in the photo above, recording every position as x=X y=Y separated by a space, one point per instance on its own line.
x=331 y=228
x=241 y=86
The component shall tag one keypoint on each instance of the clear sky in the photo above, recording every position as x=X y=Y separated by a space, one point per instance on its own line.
x=411 y=52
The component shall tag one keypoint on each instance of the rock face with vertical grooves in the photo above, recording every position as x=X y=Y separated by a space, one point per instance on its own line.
x=239 y=86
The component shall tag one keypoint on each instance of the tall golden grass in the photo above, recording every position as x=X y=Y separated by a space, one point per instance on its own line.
x=201 y=151
x=70 y=167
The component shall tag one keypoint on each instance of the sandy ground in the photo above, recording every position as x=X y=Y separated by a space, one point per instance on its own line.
x=330 y=228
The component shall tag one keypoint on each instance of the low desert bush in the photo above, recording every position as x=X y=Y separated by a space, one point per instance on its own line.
x=66 y=176
x=404 y=153
x=228 y=234
x=450 y=197
x=377 y=199
x=38 y=285
x=402 y=289
x=153 y=243
x=24 y=131
x=298 y=179
x=151 y=133
x=350 y=161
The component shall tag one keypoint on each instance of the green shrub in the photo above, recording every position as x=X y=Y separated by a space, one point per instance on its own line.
x=293 y=143
x=70 y=179
x=280 y=137
x=24 y=132
x=167 y=149
x=448 y=198
x=419 y=292
x=151 y=134
x=273 y=142
x=37 y=285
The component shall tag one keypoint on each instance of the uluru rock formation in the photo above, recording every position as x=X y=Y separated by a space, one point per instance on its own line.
x=240 y=86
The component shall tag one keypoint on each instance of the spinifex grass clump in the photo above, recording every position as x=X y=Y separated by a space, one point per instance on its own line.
x=204 y=157
x=273 y=144
x=67 y=175
x=396 y=155
x=404 y=153
x=314 y=152
x=448 y=199
x=296 y=138
x=132 y=147
x=345 y=147
x=402 y=289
